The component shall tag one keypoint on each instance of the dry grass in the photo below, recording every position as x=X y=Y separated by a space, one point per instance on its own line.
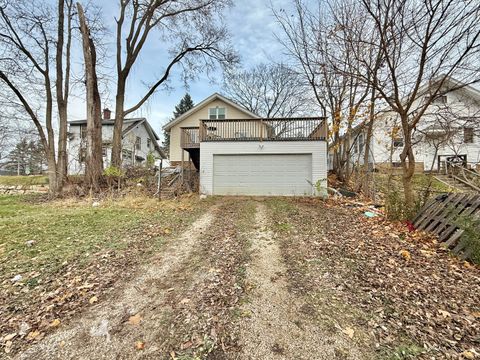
x=24 y=180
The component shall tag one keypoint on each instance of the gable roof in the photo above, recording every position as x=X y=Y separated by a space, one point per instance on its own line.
x=451 y=84
x=129 y=125
x=215 y=96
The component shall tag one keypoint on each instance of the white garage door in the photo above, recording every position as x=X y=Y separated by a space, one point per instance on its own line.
x=265 y=174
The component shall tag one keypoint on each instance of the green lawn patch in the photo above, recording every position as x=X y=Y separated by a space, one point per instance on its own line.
x=42 y=236
x=24 y=180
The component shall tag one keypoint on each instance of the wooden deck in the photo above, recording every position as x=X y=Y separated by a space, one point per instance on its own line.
x=190 y=138
x=273 y=129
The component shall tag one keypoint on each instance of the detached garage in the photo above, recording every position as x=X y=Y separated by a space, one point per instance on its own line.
x=262 y=174
x=238 y=152
x=285 y=168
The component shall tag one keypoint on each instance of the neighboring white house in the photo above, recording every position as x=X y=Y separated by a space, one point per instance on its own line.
x=138 y=140
x=449 y=128
x=238 y=153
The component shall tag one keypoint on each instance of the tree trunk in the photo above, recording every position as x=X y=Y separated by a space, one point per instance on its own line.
x=52 y=174
x=407 y=159
x=94 y=160
x=118 y=126
x=365 y=183
x=61 y=90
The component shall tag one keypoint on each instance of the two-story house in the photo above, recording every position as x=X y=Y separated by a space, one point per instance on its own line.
x=449 y=128
x=138 y=141
x=239 y=153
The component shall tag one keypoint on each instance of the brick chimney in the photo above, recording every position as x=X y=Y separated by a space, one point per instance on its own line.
x=106 y=114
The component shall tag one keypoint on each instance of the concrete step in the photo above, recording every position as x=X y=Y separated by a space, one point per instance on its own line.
x=454 y=183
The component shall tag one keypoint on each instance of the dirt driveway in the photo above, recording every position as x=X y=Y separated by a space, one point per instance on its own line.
x=280 y=279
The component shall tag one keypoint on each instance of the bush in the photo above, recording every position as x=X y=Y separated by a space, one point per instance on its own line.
x=113 y=174
x=397 y=209
x=471 y=236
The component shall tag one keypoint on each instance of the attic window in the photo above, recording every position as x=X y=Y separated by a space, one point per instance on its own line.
x=217 y=113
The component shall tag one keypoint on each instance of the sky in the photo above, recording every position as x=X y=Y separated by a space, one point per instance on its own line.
x=252 y=28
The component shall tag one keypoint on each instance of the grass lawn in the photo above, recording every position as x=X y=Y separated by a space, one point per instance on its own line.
x=44 y=235
x=24 y=180
x=67 y=251
x=420 y=183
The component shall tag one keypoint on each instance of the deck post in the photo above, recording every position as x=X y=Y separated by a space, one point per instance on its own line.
x=261 y=129
x=183 y=165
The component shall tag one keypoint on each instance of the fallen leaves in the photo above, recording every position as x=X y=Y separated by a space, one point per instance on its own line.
x=93 y=300
x=140 y=345
x=8 y=346
x=433 y=302
x=9 y=337
x=349 y=332
x=35 y=335
x=405 y=254
x=135 y=319
x=445 y=314
x=470 y=355
x=55 y=323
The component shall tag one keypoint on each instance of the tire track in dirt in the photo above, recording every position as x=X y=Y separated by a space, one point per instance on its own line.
x=274 y=323
x=100 y=331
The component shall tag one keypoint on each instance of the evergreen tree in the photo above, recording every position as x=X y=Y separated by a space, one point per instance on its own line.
x=183 y=106
x=27 y=157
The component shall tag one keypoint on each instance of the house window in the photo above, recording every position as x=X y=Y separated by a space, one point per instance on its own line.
x=216 y=113
x=361 y=143
x=83 y=132
x=126 y=154
x=82 y=156
x=439 y=100
x=468 y=135
x=138 y=143
x=149 y=144
x=397 y=142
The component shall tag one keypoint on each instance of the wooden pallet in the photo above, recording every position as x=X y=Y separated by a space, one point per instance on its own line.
x=441 y=216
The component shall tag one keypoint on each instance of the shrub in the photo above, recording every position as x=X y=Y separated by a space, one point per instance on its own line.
x=113 y=174
x=150 y=160
x=471 y=236
x=397 y=209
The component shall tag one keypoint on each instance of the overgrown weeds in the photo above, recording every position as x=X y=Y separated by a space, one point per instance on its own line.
x=470 y=240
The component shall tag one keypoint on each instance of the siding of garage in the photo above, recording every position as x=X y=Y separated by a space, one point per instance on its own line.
x=317 y=149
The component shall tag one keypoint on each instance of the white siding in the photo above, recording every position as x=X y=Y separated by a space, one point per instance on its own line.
x=262 y=174
x=75 y=167
x=460 y=105
x=317 y=150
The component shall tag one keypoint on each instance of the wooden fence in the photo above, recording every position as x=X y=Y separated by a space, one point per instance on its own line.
x=443 y=214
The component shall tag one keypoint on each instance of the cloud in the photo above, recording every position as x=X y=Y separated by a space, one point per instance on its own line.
x=252 y=26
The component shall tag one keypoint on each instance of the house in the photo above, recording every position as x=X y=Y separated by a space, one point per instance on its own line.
x=238 y=153
x=138 y=141
x=449 y=129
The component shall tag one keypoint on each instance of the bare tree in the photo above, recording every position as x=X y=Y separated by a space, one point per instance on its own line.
x=62 y=81
x=94 y=160
x=321 y=48
x=199 y=42
x=422 y=42
x=268 y=90
x=27 y=40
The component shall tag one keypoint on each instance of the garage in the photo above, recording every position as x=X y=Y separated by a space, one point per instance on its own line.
x=262 y=174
